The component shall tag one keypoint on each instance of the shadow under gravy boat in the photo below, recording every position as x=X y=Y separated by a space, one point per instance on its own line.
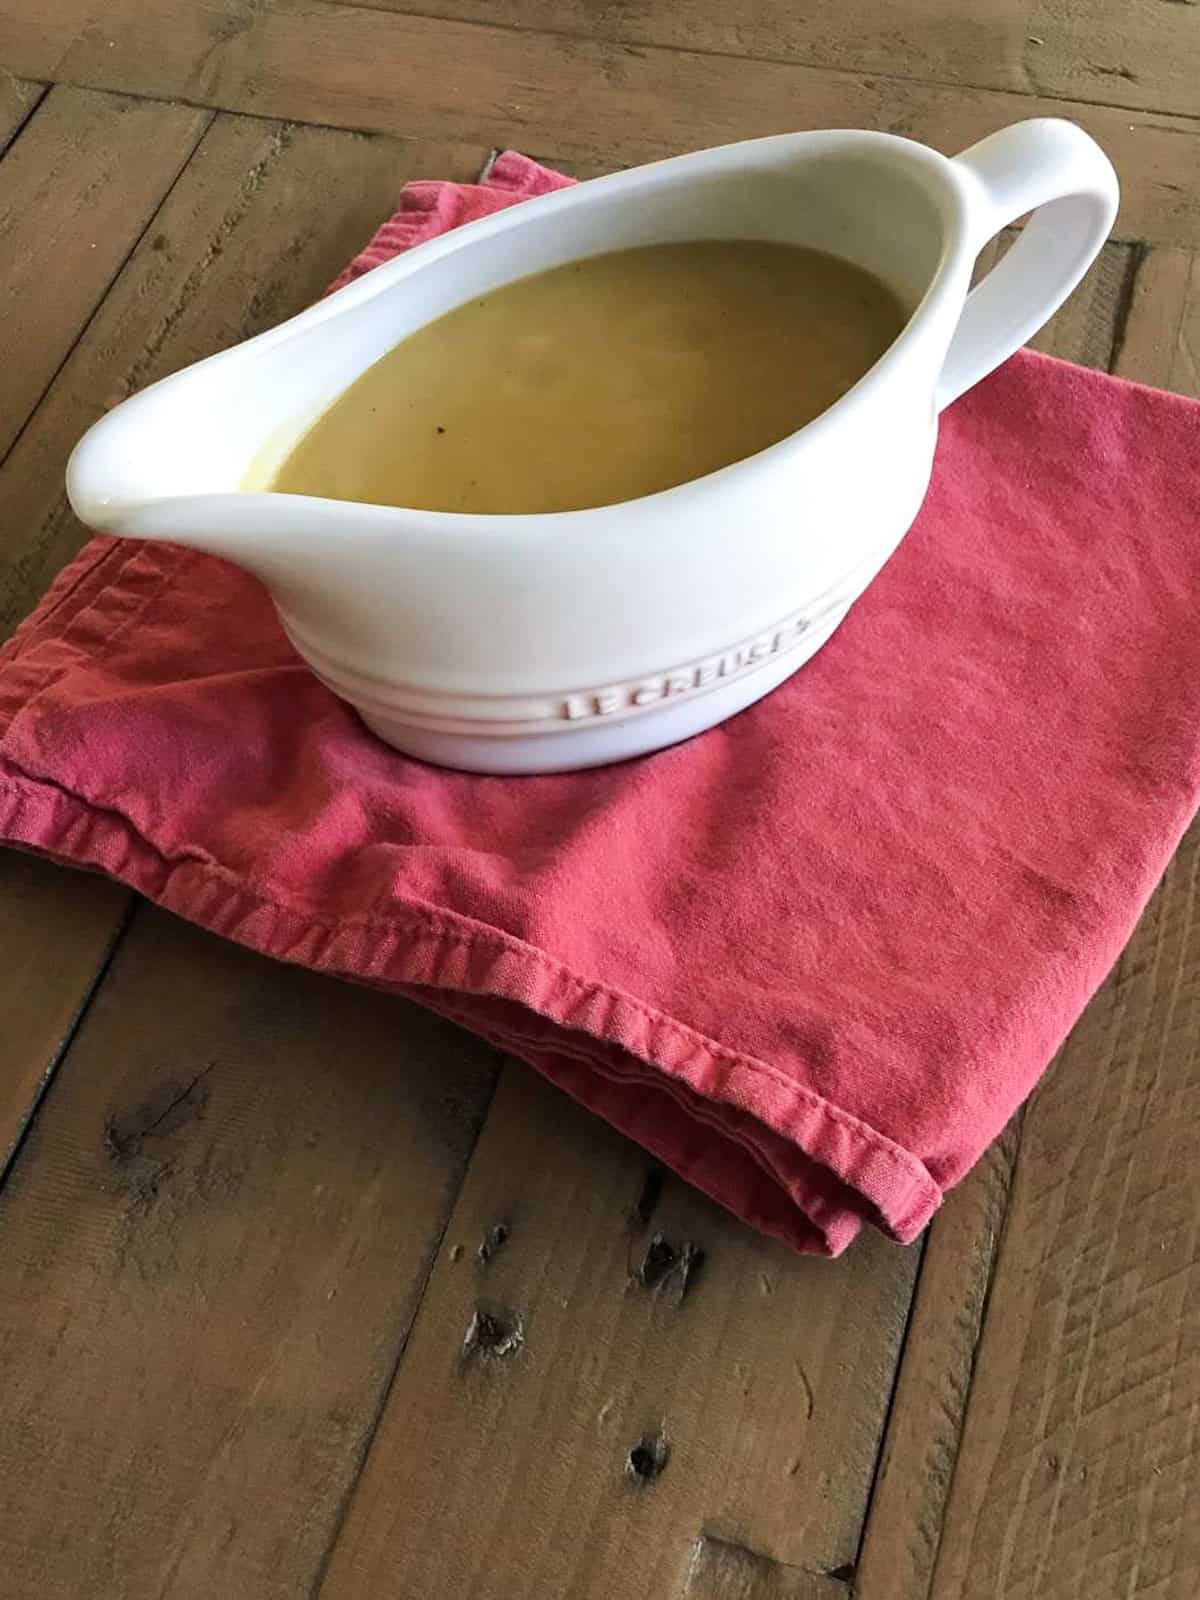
x=512 y=644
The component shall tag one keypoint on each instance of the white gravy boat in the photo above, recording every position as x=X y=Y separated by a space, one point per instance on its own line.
x=515 y=644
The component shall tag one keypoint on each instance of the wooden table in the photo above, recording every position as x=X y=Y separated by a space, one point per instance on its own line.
x=304 y=1293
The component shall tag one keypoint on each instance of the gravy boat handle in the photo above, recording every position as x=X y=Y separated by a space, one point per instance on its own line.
x=1059 y=173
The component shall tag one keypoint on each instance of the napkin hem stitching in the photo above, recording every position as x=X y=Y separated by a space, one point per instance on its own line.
x=904 y=1206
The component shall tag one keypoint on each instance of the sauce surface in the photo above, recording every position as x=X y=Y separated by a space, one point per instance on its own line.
x=601 y=380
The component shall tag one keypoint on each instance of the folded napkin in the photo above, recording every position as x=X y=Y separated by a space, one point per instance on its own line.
x=813 y=959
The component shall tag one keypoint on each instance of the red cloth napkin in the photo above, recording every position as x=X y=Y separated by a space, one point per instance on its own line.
x=813 y=959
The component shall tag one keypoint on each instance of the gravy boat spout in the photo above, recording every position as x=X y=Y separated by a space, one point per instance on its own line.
x=177 y=462
x=512 y=644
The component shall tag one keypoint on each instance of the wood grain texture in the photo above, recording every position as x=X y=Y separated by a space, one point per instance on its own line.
x=1161 y=342
x=1093 y=326
x=76 y=191
x=1078 y=1472
x=262 y=218
x=630 y=1370
x=1088 y=328
x=722 y=1571
x=216 y=1234
x=191 y=1414
x=1078 y=1467
x=1085 y=329
x=18 y=100
x=314 y=61
x=233 y=249
x=904 y=1528
x=56 y=930
x=1123 y=52
x=203 y=1324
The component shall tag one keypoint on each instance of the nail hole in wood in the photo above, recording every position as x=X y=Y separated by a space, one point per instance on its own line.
x=649 y=1457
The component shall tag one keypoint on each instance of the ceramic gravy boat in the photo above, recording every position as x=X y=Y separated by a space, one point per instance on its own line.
x=513 y=644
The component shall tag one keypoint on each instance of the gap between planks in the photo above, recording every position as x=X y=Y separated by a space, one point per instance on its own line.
x=169 y=1221
x=1131 y=343
x=1078 y=1467
x=163 y=310
x=1035 y=48
x=74 y=154
x=108 y=161
x=19 y=99
x=1000 y=1271
x=318 y=62
x=216 y=1234
x=627 y=1371
x=1078 y=1463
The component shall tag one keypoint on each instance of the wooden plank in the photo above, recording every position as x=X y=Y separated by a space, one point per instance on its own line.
x=1090 y=324
x=558 y=1416
x=262 y=218
x=1079 y=1470
x=904 y=1528
x=208 y=1327
x=1125 y=52
x=721 y=1571
x=315 y=61
x=76 y=191
x=1085 y=328
x=1161 y=343
x=17 y=101
x=216 y=1233
x=1098 y=1444
x=56 y=930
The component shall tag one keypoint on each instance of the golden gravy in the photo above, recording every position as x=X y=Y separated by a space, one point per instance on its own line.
x=601 y=380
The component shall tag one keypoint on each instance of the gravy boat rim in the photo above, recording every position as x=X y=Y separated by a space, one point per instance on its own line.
x=955 y=258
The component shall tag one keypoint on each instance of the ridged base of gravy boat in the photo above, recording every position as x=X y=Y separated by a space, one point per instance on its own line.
x=512 y=644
